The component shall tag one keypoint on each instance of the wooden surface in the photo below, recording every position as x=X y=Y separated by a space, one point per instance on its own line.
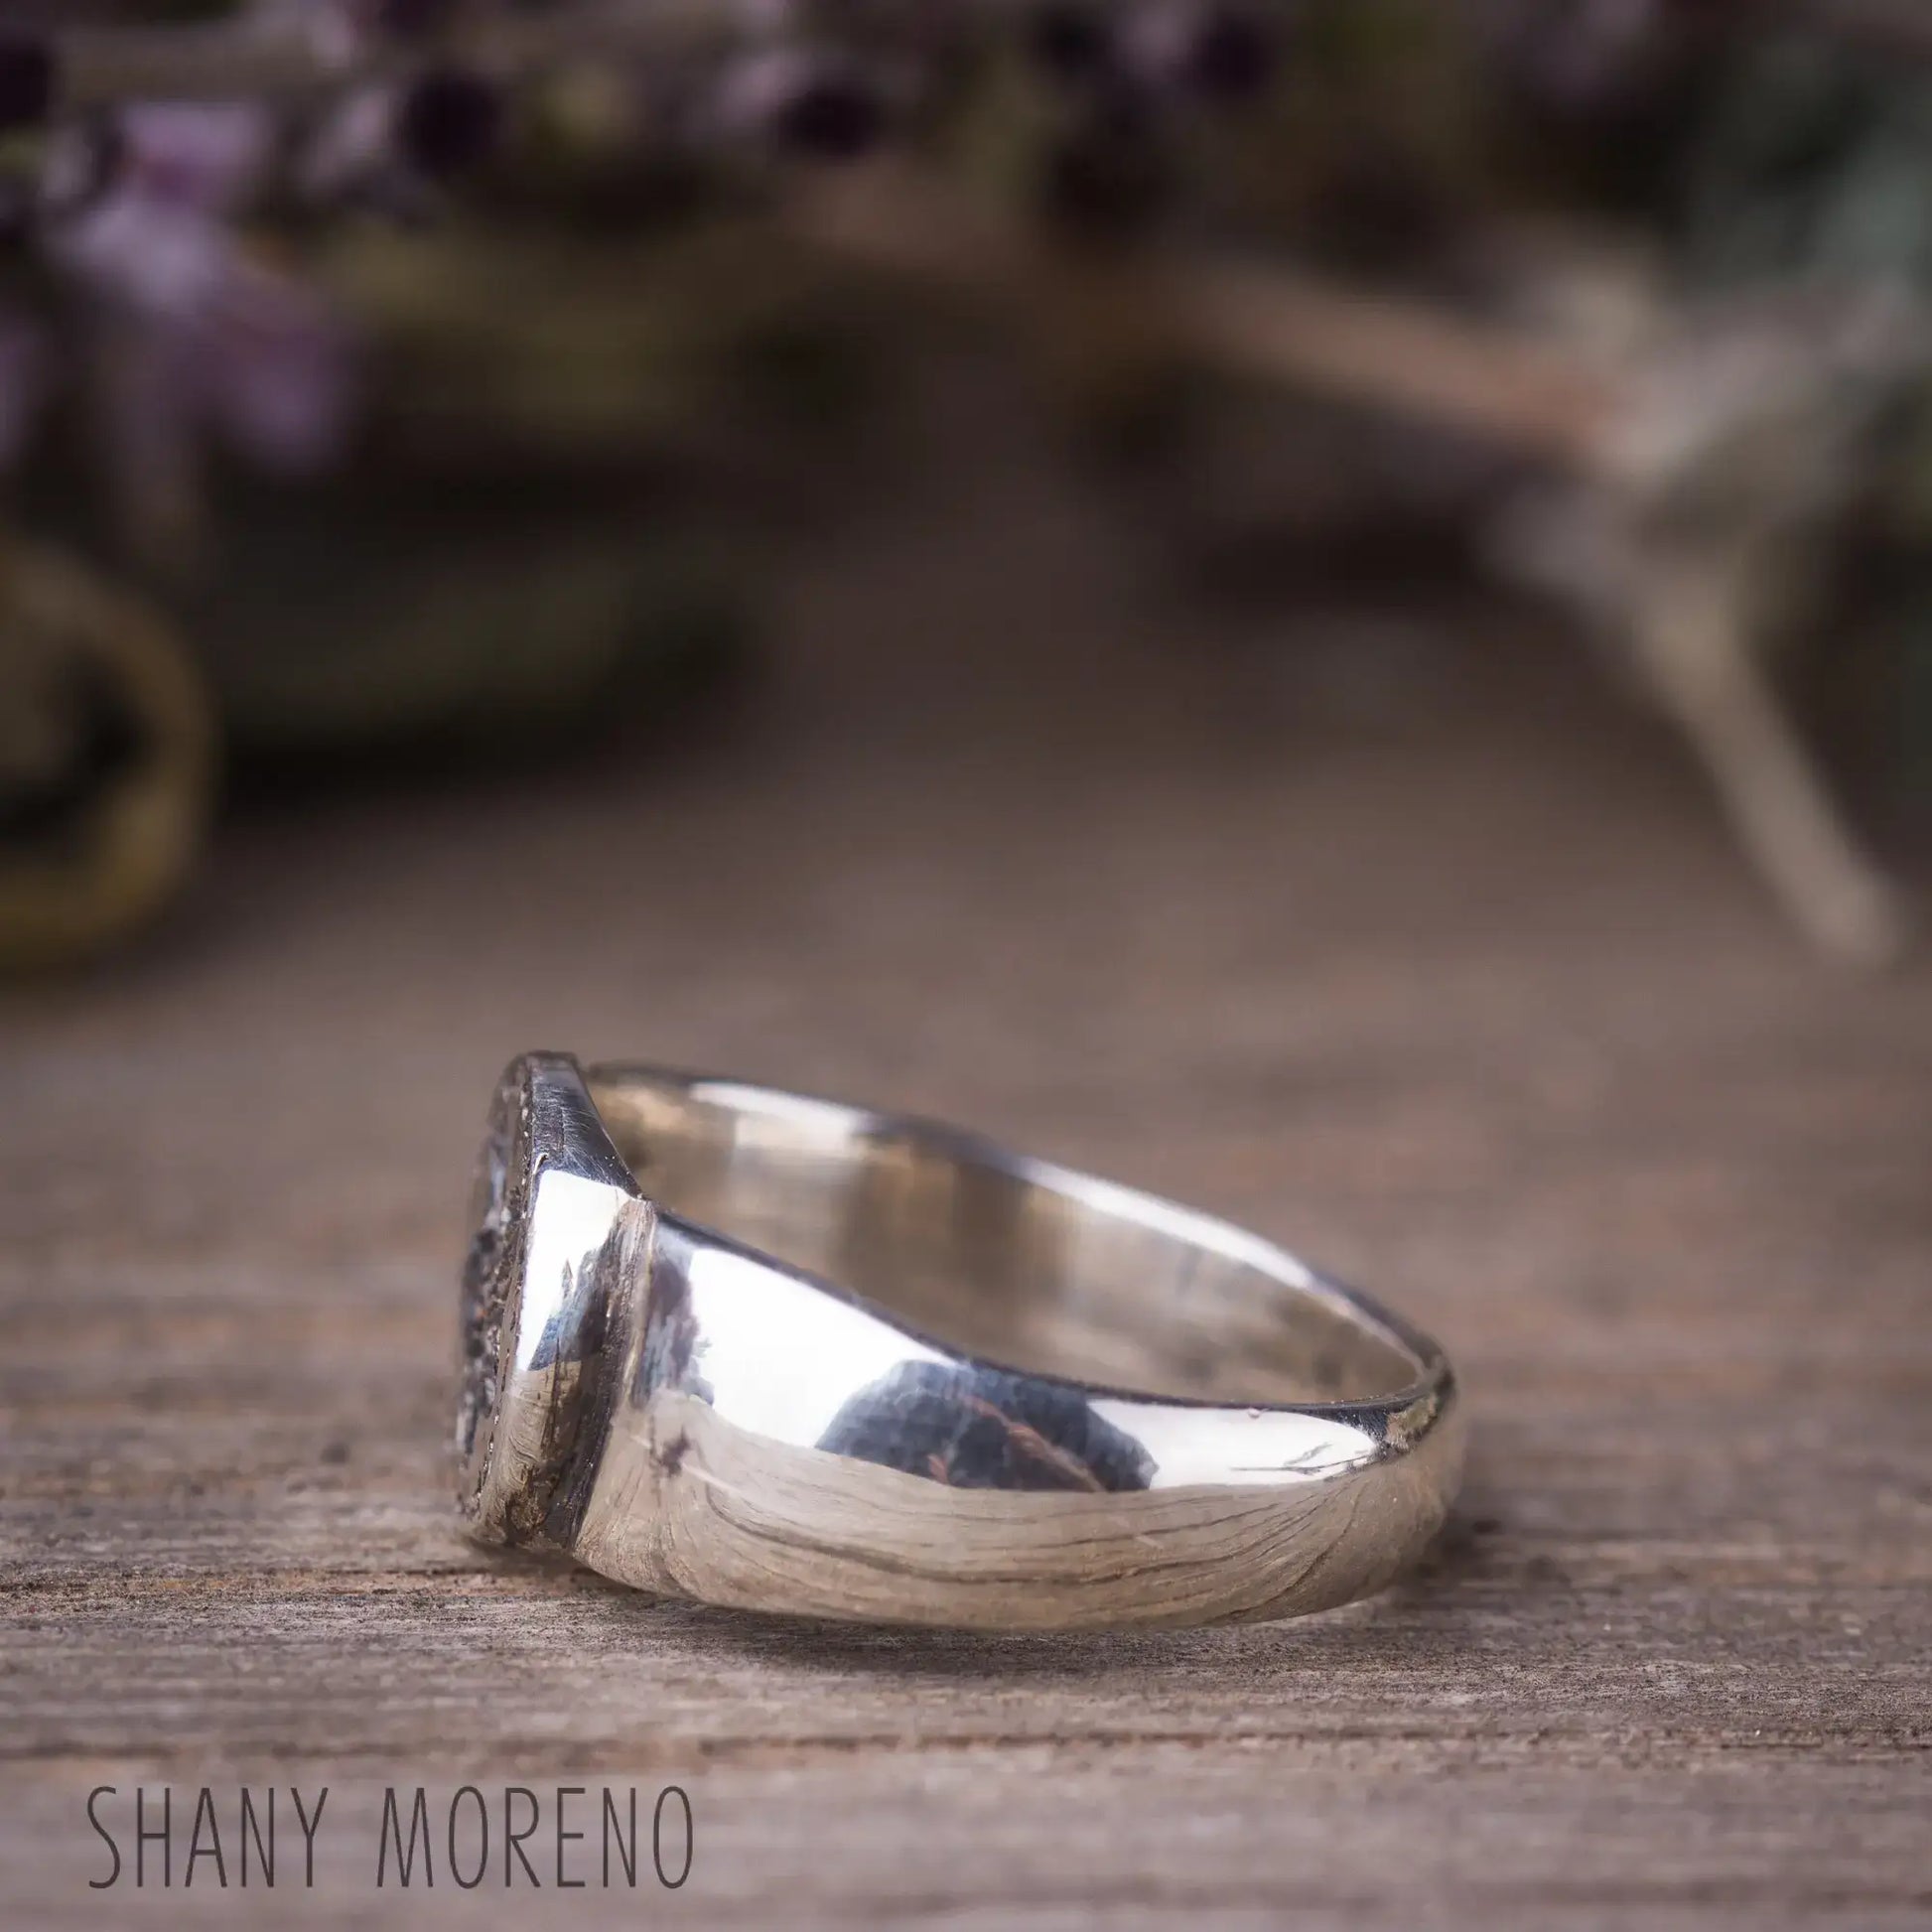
x=1469 y=1000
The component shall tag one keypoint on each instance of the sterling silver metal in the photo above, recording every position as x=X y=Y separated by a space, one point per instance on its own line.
x=733 y=1345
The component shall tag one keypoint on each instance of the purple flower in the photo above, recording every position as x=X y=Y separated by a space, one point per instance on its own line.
x=815 y=103
x=274 y=370
x=1216 y=50
x=198 y=335
x=207 y=156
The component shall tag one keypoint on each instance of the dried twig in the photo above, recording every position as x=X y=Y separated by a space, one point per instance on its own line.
x=1641 y=448
x=1691 y=466
x=1692 y=627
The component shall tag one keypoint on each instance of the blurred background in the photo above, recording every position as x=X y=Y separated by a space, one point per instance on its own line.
x=410 y=406
x=1322 y=605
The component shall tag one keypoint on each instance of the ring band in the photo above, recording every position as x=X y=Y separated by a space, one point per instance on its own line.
x=736 y=1345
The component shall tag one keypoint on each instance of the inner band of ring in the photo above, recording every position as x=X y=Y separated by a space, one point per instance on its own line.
x=1022 y=1263
x=854 y=1364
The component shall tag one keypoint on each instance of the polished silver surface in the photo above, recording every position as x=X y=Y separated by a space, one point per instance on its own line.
x=734 y=1344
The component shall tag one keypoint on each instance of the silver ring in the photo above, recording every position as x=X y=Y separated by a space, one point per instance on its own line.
x=742 y=1346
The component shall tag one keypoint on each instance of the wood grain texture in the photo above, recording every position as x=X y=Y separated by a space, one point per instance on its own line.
x=1473 y=1006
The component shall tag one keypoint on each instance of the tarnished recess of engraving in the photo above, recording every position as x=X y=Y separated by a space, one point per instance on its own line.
x=557 y=1224
x=491 y=1272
